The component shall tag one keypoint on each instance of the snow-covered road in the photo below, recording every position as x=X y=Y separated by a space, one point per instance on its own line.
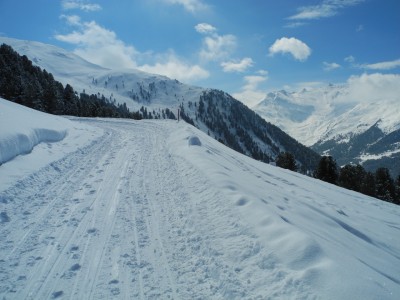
x=102 y=222
x=112 y=220
x=140 y=213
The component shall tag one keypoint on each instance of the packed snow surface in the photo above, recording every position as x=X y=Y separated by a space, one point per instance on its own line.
x=159 y=210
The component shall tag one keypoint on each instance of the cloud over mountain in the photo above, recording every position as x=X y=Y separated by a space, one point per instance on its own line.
x=237 y=66
x=298 y=49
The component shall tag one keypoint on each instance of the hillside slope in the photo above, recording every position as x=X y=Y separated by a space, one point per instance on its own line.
x=156 y=208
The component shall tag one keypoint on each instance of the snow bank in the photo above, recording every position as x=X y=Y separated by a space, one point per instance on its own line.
x=46 y=138
x=22 y=128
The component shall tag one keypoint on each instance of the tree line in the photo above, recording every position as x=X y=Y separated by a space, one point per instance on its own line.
x=352 y=177
x=29 y=85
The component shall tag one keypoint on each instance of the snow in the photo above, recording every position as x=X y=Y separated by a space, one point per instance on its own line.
x=27 y=131
x=366 y=157
x=118 y=85
x=142 y=210
x=20 y=133
x=330 y=112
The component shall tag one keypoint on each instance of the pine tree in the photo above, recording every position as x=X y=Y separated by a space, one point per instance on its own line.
x=286 y=160
x=351 y=177
x=368 y=185
x=397 y=191
x=384 y=185
x=327 y=170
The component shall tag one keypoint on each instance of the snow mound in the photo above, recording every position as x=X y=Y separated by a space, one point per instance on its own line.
x=194 y=141
x=20 y=132
x=45 y=138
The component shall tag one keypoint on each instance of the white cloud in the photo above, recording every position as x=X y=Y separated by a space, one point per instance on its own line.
x=171 y=66
x=237 y=66
x=372 y=87
x=327 y=8
x=80 y=4
x=250 y=93
x=349 y=59
x=386 y=65
x=360 y=28
x=72 y=20
x=205 y=28
x=100 y=46
x=218 y=47
x=330 y=66
x=215 y=47
x=295 y=24
x=295 y=47
x=192 y=6
x=262 y=72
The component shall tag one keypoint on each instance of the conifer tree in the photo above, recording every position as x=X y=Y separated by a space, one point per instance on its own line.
x=368 y=184
x=327 y=170
x=384 y=185
x=286 y=160
x=351 y=177
x=397 y=191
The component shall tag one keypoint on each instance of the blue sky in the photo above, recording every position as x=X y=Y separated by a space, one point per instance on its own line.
x=244 y=47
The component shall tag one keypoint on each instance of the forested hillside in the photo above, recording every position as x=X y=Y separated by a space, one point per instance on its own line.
x=29 y=85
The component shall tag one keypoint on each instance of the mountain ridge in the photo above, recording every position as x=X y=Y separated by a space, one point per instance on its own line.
x=335 y=123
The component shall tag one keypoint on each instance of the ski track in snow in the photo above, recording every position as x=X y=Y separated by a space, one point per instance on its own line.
x=126 y=218
x=120 y=225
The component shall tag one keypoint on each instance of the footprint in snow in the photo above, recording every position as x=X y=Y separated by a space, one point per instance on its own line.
x=4 y=217
x=57 y=294
x=75 y=267
x=242 y=201
x=92 y=231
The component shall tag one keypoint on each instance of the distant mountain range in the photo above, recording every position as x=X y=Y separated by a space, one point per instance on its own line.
x=332 y=120
x=214 y=112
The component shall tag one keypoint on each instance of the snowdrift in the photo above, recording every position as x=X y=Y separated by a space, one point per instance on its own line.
x=22 y=128
x=46 y=138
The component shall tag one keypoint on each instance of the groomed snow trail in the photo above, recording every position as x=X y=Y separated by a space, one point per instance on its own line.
x=89 y=226
x=159 y=210
x=114 y=220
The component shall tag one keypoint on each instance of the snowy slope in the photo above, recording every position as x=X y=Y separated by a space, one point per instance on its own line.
x=158 y=209
x=331 y=112
x=353 y=123
x=130 y=86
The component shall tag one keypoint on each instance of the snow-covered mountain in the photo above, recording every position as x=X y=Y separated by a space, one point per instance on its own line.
x=156 y=209
x=131 y=86
x=212 y=111
x=341 y=121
